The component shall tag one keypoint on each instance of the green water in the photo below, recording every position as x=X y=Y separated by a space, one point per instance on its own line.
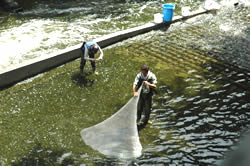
x=48 y=113
x=41 y=119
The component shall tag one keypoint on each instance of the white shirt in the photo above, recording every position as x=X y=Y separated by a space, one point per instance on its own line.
x=150 y=75
x=86 y=52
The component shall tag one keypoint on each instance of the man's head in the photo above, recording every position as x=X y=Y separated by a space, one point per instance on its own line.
x=144 y=70
x=94 y=49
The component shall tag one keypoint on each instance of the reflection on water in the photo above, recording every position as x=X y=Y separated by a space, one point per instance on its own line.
x=200 y=110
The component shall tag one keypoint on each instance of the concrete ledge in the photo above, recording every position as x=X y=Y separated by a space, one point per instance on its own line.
x=122 y=35
x=35 y=66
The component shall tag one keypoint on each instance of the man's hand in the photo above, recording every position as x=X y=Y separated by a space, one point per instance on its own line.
x=146 y=83
x=98 y=59
x=136 y=94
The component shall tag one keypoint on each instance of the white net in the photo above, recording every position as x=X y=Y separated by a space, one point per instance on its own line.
x=116 y=136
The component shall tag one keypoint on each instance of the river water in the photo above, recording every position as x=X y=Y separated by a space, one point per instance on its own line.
x=52 y=26
x=200 y=110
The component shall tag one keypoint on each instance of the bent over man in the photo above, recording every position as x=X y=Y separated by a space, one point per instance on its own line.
x=89 y=49
x=148 y=81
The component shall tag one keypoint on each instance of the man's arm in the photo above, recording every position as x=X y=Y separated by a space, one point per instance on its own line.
x=149 y=84
x=134 y=90
x=101 y=54
x=154 y=82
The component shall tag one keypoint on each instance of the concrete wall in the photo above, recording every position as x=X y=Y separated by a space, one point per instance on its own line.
x=35 y=66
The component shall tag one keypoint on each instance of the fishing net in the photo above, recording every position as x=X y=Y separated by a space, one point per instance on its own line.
x=116 y=136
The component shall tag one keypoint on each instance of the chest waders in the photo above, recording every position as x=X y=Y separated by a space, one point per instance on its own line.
x=144 y=105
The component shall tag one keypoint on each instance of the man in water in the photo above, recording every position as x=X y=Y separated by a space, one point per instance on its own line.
x=148 y=81
x=89 y=49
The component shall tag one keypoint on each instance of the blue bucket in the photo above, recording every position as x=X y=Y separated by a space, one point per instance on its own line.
x=168 y=12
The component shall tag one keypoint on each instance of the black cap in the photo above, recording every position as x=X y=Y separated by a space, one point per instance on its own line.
x=95 y=49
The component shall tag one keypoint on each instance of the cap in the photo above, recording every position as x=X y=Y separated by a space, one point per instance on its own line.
x=95 y=49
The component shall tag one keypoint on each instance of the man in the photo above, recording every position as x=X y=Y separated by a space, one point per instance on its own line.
x=89 y=49
x=148 y=81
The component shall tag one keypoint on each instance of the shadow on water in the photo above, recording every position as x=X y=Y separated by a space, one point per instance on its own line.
x=83 y=80
x=43 y=156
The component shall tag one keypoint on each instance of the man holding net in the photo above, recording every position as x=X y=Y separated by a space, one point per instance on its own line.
x=148 y=81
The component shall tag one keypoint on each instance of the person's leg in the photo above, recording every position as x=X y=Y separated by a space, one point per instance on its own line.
x=83 y=61
x=146 y=110
x=82 y=64
x=139 y=108
x=93 y=64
